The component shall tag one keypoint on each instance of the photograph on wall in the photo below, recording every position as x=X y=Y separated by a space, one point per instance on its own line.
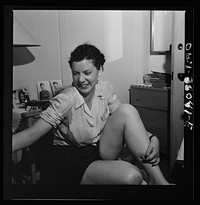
x=56 y=86
x=44 y=90
x=20 y=97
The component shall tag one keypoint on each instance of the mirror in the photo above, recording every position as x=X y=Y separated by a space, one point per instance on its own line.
x=160 y=31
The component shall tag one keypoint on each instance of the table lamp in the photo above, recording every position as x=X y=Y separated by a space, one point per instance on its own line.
x=21 y=40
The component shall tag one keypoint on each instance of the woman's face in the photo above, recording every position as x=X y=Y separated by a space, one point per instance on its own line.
x=22 y=96
x=85 y=76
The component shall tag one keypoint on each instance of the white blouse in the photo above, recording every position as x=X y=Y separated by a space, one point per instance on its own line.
x=73 y=121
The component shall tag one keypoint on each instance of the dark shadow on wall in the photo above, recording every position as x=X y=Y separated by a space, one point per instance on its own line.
x=167 y=64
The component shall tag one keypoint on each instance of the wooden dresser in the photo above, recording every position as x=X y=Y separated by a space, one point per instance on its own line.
x=153 y=105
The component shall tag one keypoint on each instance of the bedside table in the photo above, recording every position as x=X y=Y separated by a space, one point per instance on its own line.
x=153 y=105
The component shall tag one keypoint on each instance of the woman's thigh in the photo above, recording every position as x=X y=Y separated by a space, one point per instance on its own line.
x=111 y=138
x=112 y=172
x=123 y=126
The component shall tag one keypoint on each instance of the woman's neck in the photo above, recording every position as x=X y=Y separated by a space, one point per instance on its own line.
x=89 y=99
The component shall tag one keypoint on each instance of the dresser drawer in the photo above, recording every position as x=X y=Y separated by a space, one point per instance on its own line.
x=150 y=98
x=154 y=118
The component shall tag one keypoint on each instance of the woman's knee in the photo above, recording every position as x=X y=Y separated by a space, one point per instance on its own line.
x=127 y=110
x=133 y=177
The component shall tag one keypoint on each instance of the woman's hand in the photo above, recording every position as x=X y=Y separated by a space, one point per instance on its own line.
x=152 y=154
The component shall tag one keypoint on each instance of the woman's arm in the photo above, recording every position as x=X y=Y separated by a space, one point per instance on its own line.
x=29 y=136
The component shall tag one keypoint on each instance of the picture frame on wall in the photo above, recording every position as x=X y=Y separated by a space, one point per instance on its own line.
x=56 y=86
x=20 y=97
x=44 y=90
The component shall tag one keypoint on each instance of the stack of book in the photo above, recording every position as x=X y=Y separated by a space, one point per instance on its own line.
x=159 y=80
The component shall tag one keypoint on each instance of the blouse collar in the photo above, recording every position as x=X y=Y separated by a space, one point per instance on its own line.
x=79 y=100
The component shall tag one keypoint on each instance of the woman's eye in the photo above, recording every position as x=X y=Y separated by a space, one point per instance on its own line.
x=87 y=73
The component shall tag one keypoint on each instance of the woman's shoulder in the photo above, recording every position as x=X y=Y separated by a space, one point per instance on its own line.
x=67 y=93
x=104 y=83
x=67 y=90
x=106 y=86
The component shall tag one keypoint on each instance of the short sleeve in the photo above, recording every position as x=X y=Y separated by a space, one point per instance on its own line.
x=56 y=112
x=113 y=101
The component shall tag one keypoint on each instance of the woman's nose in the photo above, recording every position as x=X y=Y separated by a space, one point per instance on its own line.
x=81 y=78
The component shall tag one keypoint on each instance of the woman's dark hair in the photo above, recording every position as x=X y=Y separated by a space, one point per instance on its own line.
x=89 y=52
x=19 y=95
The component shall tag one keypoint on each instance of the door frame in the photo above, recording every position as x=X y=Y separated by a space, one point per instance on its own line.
x=177 y=86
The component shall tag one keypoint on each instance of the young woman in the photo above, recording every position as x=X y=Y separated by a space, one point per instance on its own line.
x=90 y=128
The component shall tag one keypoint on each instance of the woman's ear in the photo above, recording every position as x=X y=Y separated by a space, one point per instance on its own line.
x=100 y=71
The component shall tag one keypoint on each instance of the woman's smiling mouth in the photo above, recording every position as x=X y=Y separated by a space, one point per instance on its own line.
x=83 y=86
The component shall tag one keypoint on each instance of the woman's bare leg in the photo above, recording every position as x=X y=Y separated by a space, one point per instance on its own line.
x=125 y=125
x=112 y=172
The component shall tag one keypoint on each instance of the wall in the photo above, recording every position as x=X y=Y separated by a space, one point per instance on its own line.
x=123 y=32
x=103 y=29
x=129 y=69
x=123 y=36
x=43 y=26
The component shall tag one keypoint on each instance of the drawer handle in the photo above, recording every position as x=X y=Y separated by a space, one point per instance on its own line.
x=138 y=98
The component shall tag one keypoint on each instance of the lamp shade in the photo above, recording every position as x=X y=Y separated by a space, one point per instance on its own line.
x=21 y=37
x=22 y=55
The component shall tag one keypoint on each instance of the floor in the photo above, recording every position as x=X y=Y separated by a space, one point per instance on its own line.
x=176 y=175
